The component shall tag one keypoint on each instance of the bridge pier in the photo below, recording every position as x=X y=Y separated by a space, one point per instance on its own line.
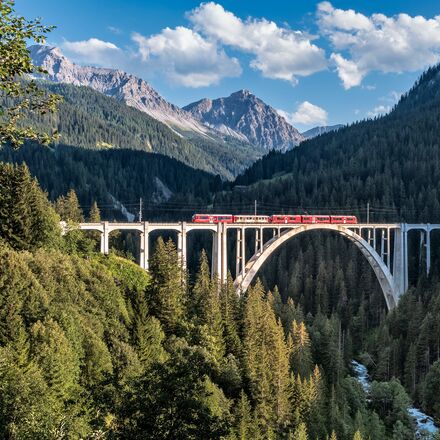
x=181 y=245
x=428 y=248
x=144 y=247
x=105 y=238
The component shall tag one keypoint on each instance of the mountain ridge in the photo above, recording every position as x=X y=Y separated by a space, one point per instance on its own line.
x=115 y=83
x=322 y=129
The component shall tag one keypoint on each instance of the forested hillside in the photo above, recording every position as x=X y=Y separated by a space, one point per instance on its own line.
x=114 y=352
x=393 y=163
x=116 y=175
x=93 y=347
x=87 y=118
x=390 y=162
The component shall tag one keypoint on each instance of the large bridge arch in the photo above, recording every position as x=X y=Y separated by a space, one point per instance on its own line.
x=381 y=270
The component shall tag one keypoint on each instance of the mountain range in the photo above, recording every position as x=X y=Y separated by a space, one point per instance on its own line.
x=123 y=86
x=241 y=116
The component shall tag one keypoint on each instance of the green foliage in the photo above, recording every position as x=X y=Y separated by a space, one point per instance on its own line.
x=167 y=299
x=300 y=432
x=300 y=353
x=431 y=392
x=177 y=401
x=27 y=220
x=204 y=303
x=68 y=208
x=16 y=31
x=391 y=402
x=119 y=174
x=266 y=361
x=94 y=214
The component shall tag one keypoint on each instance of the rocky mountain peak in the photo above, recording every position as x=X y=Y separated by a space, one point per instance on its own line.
x=243 y=93
x=118 y=84
x=247 y=117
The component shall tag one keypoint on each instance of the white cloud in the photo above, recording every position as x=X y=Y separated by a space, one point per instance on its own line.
x=185 y=57
x=279 y=52
x=347 y=70
x=114 y=30
x=306 y=114
x=380 y=110
x=377 y=42
x=392 y=97
x=93 y=51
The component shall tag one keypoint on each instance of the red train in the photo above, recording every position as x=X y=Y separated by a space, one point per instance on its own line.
x=276 y=218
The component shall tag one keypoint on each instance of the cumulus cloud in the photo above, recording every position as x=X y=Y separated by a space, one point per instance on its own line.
x=279 y=52
x=93 y=51
x=380 y=110
x=185 y=57
x=306 y=114
x=378 y=43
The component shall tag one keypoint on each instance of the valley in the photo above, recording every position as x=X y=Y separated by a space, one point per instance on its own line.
x=212 y=271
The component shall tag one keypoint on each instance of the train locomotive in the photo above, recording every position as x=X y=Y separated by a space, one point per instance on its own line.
x=275 y=219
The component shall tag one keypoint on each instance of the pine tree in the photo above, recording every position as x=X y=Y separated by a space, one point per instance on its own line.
x=266 y=361
x=167 y=297
x=300 y=432
x=301 y=356
x=94 y=214
x=357 y=436
x=206 y=309
x=55 y=356
x=148 y=334
x=230 y=310
x=68 y=207
x=27 y=220
x=244 y=423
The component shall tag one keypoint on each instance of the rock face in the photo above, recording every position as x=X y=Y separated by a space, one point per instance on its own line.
x=316 y=131
x=123 y=86
x=248 y=118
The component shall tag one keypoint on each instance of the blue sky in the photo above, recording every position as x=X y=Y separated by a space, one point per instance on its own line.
x=316 y=62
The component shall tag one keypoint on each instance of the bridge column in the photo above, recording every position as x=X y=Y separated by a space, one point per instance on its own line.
x=144 y=245
x=105 y=239
x=428 y=248
x=399 y=260
x=240 y=261
x=224 y=254
x=216 y=260
x=385 y=246
x=181 y=246
x=258 y=240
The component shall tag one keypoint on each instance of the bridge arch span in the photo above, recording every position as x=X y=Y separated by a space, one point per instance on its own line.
x=381 y=270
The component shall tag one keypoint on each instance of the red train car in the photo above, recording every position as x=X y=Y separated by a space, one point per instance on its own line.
x=343 y=219
x=213 y=218
x=285 y=219
x=312 y=219
x=251 y=219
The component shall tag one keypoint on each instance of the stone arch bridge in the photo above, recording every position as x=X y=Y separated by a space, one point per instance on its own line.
x=384 y=245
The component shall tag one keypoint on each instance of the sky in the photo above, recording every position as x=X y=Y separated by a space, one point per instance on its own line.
x=316 y=63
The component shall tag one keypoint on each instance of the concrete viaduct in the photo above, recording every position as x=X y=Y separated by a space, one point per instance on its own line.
x=384 y=245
